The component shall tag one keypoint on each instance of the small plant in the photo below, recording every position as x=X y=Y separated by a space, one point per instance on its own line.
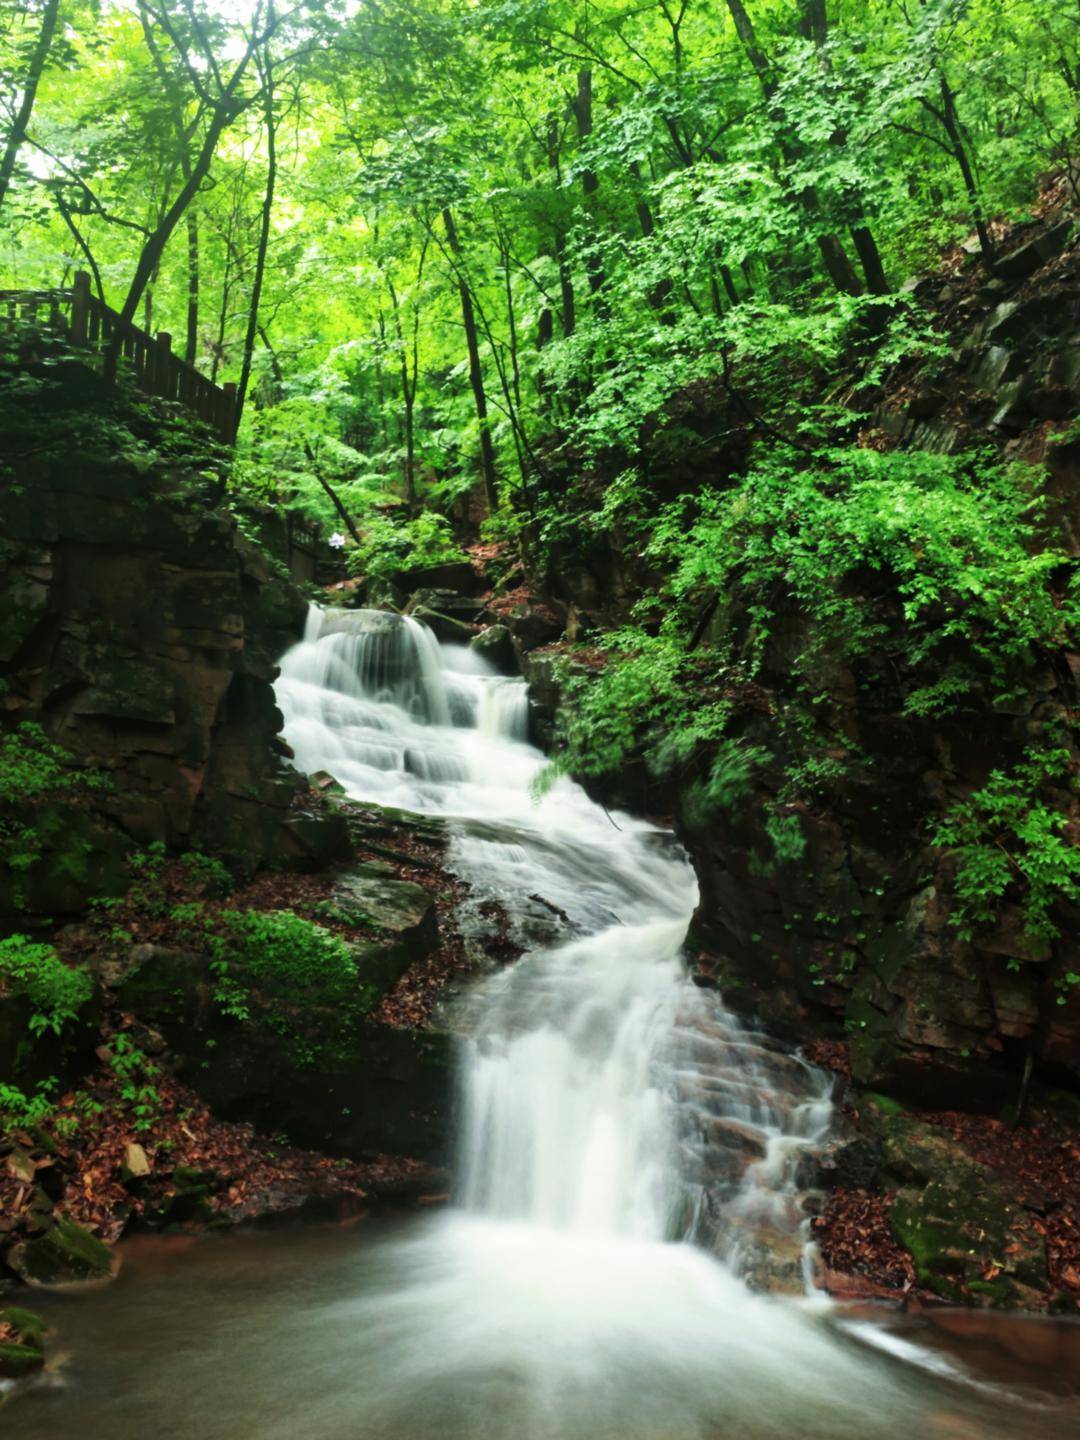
x=290 y=958
x=1006 y=838
x=56 y=991
x=18 y=1110
x=136 y=1074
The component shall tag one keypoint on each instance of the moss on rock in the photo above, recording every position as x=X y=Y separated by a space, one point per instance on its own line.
x=64 y=1254
x=22 y=1343
x=969 y=1238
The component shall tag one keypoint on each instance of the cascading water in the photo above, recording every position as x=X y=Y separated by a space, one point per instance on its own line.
x=616 y=1123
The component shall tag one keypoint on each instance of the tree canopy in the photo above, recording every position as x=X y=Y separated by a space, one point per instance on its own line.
x=441 y=241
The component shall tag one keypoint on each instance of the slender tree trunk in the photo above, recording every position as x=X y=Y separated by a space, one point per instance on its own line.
x=566 y=283
x=476 y=373
x=267 y=77
x=660 y=293
x=816 y=27
x=155 y=245
x=191 y=329
x=832 y=252
x=191 y=335
x=38 y=58
x=951 y=123
x=583 y=117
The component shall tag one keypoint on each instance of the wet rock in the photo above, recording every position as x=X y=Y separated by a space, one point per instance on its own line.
x=187 y=1200
x=969 y=1239
x=444 y=627
x=361 y=622
x=497 y=648
x=372 y=895
x=64 y=1254
x=447 y=602
x=22 y=1343
x=1018 y=264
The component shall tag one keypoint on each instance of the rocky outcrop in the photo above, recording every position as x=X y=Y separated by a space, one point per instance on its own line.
x=142 y=633
x=306 y=1059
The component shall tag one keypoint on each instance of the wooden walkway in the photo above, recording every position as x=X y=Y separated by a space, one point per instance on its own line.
x=149 y=359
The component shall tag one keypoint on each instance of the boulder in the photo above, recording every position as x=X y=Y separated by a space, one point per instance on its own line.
x=63 y=1254
x=456 y=575
x=1018 y=264
x=496 y=646
x=533 y=626
x=371 y=895
x=22 y=1343
x=447 y=602
x=444 y=627
x=971 y=1241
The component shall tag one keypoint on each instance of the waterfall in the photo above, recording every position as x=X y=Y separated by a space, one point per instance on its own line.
x=627 y=1147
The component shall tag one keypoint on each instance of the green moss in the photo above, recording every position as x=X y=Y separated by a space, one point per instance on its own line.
x=65 y=1253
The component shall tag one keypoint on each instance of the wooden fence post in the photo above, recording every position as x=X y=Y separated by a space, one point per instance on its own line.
x=229 y=418
x=163 y=365
x=80 y=307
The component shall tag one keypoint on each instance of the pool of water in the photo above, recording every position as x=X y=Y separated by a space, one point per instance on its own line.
x=363 y=1333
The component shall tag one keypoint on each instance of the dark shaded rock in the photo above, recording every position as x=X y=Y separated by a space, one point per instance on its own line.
x=22 y=1343
x=1018 y=264
x=143 y=638
x=27 y=1059
x=80 y=856
x=533 y=627
x=456 y=575
x=969 y=1238
x=318 y=1072
x=448 y=603
x=64 y=1254
x=497 y=648
x=444 y=627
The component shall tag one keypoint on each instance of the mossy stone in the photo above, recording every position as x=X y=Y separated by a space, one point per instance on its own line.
x=64 y=1254
x=969 y=1238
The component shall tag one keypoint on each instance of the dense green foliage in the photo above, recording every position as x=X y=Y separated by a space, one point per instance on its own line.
x=447 y=232
x=1006 y=838
x=57 y=992
x=481 y=266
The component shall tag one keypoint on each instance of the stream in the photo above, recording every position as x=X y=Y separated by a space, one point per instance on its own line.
x=626 y=1179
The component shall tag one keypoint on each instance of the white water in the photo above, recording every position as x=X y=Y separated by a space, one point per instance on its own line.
x=614 y=1119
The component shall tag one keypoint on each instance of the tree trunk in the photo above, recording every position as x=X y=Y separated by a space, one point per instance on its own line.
x=832 y=252
x=566 y=284
x=816 y=28
x=952 y=129
x=476 y=373
x=583 y=116
x=255 y=298
x=155 y=245
x=38 y=58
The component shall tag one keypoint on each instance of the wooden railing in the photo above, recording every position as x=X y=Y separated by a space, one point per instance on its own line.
x=149 y=359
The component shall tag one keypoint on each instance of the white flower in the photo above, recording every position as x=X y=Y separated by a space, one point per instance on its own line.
x=337 y=540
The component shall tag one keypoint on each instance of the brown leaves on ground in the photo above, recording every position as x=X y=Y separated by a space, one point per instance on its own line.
x=855 y=1238
x=249 y=1176
x=831 y=1055
x=1041 y=1165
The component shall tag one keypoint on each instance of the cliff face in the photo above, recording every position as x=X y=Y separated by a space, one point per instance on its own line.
x=860 y=932
x=140 y=630
x=858 y=938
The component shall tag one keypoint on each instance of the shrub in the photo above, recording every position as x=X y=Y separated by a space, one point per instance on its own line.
x=55 y=990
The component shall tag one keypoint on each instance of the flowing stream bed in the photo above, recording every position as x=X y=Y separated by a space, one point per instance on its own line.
x=628 y=1162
